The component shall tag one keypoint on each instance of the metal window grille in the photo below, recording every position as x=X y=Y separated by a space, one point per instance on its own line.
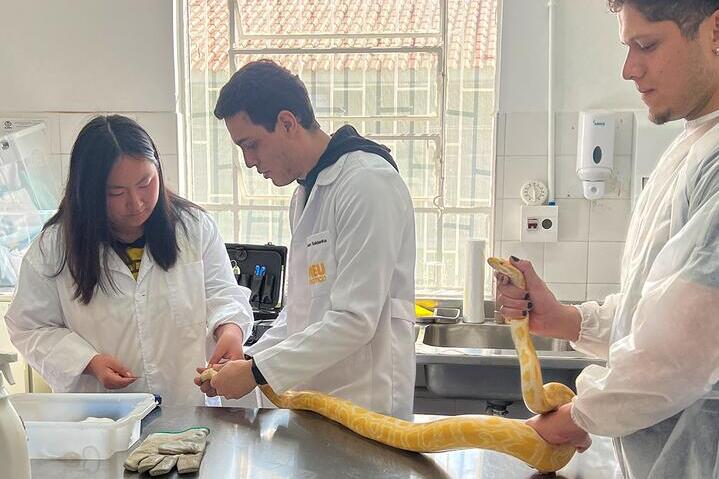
x=416 y=75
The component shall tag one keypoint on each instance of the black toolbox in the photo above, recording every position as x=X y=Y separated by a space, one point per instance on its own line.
x=261 y=268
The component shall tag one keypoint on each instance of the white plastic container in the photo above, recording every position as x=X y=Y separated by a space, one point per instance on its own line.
x=58 y=427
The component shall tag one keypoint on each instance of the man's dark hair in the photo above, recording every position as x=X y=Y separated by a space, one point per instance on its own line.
x=687 y=14
x=262 y=89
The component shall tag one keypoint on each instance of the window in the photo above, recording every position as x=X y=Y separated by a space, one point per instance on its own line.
x=415 y=75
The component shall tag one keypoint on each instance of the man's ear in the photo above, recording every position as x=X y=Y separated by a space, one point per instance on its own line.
x=714 y=19
x=287 y=121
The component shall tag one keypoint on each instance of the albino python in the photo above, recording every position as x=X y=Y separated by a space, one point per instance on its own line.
x=510 y=436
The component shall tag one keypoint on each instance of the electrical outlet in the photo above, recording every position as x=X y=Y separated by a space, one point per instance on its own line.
x=539 y=224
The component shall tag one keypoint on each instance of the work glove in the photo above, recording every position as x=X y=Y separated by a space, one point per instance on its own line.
x=161 y=451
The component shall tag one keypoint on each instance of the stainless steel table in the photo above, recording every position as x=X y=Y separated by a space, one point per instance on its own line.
x=267 y=443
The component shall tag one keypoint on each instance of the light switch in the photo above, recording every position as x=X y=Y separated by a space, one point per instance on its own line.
x=539 y=224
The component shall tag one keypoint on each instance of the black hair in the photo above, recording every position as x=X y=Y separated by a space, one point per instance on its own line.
x=687 y=14
x=262 y=89
x=82 y=215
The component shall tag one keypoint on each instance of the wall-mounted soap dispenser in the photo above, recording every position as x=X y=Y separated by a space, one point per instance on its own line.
x=595 y=151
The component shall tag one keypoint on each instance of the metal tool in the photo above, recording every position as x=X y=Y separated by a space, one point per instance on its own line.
x=441 y=316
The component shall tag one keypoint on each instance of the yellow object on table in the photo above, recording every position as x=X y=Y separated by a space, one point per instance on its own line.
x=420 y=311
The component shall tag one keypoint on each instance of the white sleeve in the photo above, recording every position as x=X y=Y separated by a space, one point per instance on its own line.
x=276 y=334
x=372 y=212
x=37 y=329
x=596 y=326
x=227 y=302
x=670 y=359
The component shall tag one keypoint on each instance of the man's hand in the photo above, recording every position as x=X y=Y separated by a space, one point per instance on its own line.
x=229 y=344
x=233 y=380
x=110 y=372
x=558 y=428
x=206 y=386
x=547 y=316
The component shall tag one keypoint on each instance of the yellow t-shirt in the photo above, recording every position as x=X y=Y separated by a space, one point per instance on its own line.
x=134 y=252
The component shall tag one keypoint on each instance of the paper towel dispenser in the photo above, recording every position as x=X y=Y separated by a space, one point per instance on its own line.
x=595 y=151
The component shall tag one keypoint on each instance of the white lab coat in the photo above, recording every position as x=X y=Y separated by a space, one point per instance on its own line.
x=660 y=334
x=348 y=327
x=160 y=326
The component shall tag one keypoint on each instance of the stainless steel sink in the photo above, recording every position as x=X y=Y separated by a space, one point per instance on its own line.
x=484 y=335
x=485 y=381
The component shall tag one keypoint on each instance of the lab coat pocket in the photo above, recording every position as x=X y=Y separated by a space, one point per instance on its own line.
x=321 y=264
x=186 y=283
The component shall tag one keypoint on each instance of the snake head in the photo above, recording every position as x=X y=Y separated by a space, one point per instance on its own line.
x=503 y=266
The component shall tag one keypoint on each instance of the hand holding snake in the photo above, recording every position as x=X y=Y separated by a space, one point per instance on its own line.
x=510 y=436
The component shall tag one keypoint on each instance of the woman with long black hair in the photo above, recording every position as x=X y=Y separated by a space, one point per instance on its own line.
x=129 y=286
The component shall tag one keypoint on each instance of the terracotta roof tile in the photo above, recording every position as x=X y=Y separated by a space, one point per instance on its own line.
x=471 y=22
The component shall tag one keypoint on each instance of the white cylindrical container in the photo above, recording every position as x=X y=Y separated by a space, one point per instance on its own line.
x=473 y=304
x=13 y=453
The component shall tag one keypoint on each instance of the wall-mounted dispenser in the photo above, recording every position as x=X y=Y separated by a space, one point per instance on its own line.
x=595 y=151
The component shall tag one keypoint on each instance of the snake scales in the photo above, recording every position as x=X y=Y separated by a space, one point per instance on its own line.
x=509 y=436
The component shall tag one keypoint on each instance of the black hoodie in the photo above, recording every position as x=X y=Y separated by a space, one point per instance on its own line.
x=343 y=141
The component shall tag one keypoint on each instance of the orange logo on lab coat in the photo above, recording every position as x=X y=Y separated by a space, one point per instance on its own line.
x=317 y=273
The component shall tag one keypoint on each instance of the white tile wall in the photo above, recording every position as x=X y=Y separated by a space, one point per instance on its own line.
x=511 y=219
x=585 y=263
x=70 y=126
x=620 y=183
x=498 y=217
x=624 y=133
x=569 y=291
x=517 y=170
x=565 y=134
x=573 y=220
x=533 y=252
x=499 y=177
x=162 y=128
x=609 y=219
x=64 y=168
x=526 y=134
x=565 y=262
x=170 y=170
x=604 y=262
x=600 y=291
x=501 y=129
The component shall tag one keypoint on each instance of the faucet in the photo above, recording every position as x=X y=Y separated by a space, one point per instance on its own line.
x=497 y=408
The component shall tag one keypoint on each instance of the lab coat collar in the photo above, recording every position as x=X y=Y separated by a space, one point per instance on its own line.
x=115 y=263
x=326 y=177
x=332 y=172
x=692 y=124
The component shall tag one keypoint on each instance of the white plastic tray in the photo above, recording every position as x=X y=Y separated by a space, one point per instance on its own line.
x=56 y=430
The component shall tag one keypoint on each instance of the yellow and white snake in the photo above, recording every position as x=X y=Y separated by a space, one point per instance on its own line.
x=509 y=436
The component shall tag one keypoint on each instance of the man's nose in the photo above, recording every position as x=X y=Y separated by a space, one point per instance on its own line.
x=250 y=160
x=632 y=69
